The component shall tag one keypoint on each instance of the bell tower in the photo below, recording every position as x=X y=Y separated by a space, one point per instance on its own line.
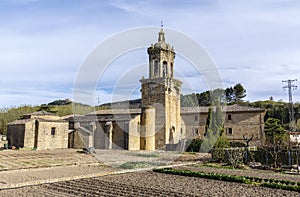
x=160 y=93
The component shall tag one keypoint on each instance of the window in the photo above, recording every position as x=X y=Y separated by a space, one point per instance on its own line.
x=196 y=132
x=229 y=131
x=53 y=131
x=156 y=69
x=196 y=118
x=229 y=117
x=164 y=69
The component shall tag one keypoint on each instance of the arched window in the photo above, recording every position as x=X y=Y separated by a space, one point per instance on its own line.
x=172 y=70
x=165 y=68
x=156 y=69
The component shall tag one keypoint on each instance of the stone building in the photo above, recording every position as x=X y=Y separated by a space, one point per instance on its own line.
x=40 y=130
x=106 y=129
x=159 y=121
x=160 y=98
x=239 y=122
x=153 y=126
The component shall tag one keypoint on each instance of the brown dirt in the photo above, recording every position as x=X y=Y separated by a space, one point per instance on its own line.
x=252 y=173
x=45 y=165
x=146 y=184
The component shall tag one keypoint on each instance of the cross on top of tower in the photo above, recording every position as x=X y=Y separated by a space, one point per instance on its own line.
x=161 y=35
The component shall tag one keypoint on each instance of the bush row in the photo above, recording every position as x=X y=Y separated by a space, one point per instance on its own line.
x=271 y=183
x=215 y=176
x=281 y=186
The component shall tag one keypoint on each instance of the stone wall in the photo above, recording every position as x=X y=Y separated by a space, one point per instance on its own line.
x=147 y=138
x=46 y=139
x=164 y=95
x=244 y=123
x=119 y=136
x=77 y=139
x=30 y=133
x=239 y=124
x=134 y=133
x=99 y=136
x=194 y=124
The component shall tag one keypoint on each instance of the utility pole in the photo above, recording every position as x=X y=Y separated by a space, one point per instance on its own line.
x=98 y=99
x=290 y=87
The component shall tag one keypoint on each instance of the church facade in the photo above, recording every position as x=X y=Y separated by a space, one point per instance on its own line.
x=156 y=123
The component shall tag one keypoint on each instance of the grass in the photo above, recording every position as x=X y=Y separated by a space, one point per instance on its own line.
x=143 y=164
x=189 y=153
x=145 y=155
x=225 y=166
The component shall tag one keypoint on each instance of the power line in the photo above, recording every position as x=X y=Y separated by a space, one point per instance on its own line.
x=290 y=86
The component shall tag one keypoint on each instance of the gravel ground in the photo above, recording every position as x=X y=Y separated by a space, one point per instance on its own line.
x=146 y=184
x=29 y=175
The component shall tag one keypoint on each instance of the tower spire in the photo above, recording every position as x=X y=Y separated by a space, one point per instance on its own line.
x=161 y=34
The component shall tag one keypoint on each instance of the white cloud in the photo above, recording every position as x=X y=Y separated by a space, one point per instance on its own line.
x=253 y=42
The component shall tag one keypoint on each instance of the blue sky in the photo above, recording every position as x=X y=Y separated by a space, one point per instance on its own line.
x=44 y=43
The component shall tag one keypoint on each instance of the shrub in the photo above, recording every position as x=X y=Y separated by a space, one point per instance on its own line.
x=270 y=183
x=194 y=145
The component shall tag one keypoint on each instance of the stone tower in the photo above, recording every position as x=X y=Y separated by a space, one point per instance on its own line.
x=160 y=98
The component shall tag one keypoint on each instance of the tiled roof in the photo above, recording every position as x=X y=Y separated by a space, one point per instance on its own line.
x=50 y=120
x=40 y=113
x=72 y=116
x=116 y=112
x=228 y=108
x=21 y=121
x=24 y=121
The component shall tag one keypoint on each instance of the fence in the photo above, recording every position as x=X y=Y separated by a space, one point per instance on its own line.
x=285 y=157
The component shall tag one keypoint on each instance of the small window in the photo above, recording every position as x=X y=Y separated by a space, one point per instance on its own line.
x=181 y=131
x=53 y=131
x=229 y=131
x=229 y=117
x=196 y=132
x=196 y=118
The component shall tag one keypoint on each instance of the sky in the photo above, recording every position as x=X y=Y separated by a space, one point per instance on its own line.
x=44 y=44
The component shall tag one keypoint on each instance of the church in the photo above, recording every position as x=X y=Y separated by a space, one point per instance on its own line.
x=159 y=123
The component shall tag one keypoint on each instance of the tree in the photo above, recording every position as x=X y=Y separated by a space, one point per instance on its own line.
x=276 y=138
x=239 y=92
x=214 y=128
x=204 y=98
x=61 y=102
x=229 y=95
x=189 y=100
x=273 y=130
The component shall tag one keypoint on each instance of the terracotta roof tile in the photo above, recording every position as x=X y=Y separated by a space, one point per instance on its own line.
x=116 y=111
x=228 y=108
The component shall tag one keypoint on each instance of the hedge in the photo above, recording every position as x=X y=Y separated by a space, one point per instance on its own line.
x=270 y=183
